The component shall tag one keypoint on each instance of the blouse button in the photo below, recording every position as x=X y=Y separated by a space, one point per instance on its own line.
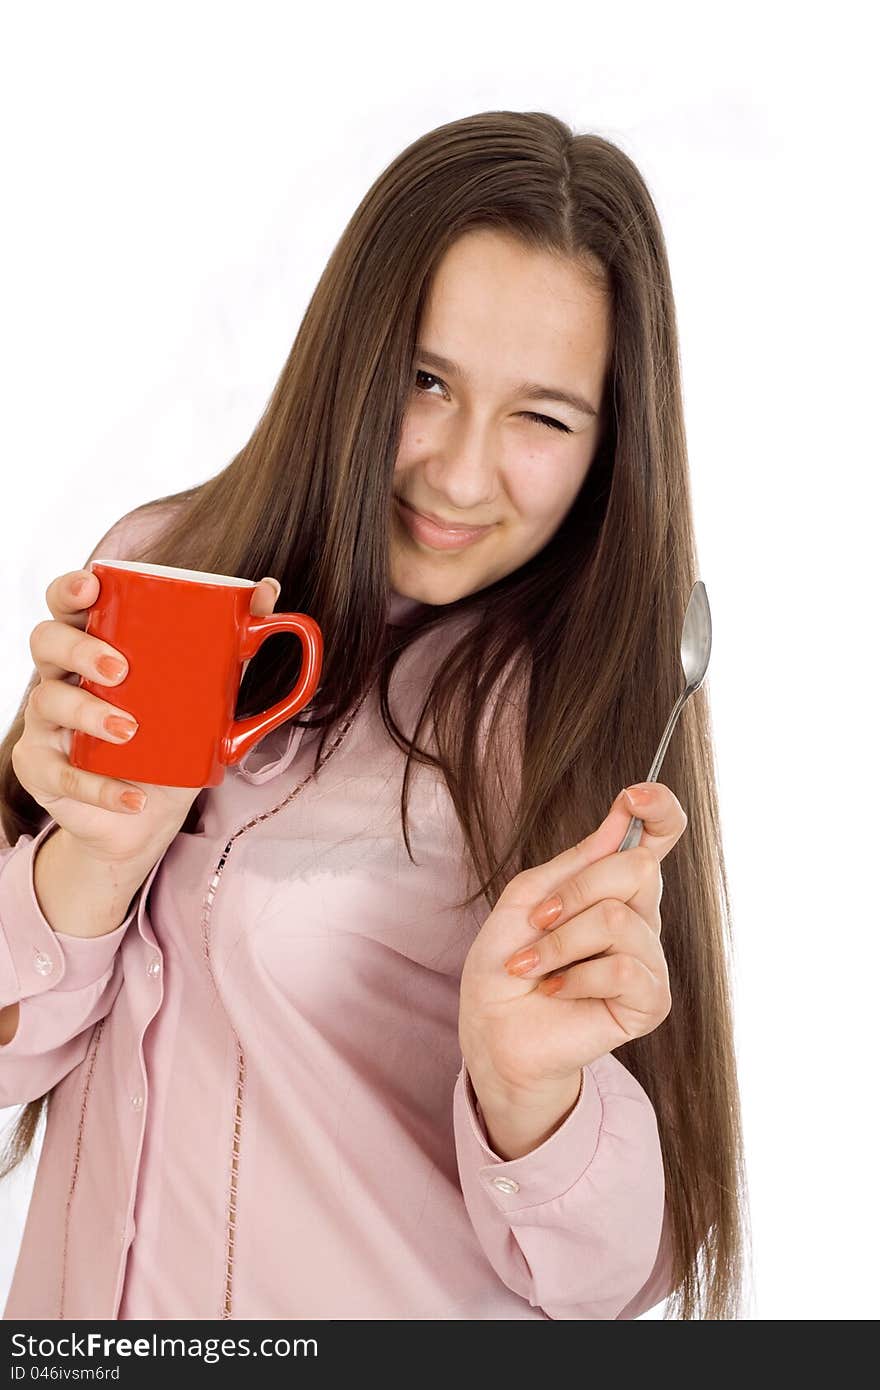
x=42 y=964
x=153 y=969
x=506 y=1184
x=137 y=1102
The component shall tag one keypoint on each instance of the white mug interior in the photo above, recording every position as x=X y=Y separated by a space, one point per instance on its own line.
x=171 y=572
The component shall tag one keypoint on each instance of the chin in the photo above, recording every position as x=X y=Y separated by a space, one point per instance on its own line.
x=440 y=594
x=412 y=581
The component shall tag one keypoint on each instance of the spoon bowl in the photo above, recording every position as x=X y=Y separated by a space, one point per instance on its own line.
x=695 y=648
x=696 y=637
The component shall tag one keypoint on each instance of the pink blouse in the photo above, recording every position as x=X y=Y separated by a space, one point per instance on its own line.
x=260 y=1106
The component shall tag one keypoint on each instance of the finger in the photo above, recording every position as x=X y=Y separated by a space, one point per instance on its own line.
x=265 y=596
x=62 y=651
x=53 y=776
x=610 y=926
x=55 y=707
x=662 y=815
x=263 y=600
x=633 y=878
x=531 y=886
x=621 y=977
x=66 y=603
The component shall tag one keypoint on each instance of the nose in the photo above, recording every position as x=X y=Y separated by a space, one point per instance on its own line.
x=462 y=473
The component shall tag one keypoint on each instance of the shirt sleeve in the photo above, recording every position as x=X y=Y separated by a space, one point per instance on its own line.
x=578 y=1226
x=63 y=984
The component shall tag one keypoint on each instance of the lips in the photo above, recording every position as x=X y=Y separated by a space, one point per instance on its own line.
x=432 y=533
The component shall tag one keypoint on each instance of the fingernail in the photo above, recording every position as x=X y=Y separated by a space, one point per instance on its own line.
x=637 y=796
x=79 y=584
x=551 y=984
x=110 y=667
x=268 y=579
x=547 y=912
x=119 y=727
x=522 y=961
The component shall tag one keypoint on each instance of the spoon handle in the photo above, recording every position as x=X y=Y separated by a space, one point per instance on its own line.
x=634 y=832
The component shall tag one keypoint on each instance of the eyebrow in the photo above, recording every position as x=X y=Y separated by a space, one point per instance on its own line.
x=530 y=390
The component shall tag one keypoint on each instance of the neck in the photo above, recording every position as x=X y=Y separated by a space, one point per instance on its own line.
x=401 y=606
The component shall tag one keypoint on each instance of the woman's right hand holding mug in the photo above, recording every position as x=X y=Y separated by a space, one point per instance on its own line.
x=100 y=813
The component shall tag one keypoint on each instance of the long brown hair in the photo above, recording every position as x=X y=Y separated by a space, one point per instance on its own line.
x=584 y=637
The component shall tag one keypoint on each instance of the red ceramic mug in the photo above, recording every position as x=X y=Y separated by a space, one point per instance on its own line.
x=185 y=635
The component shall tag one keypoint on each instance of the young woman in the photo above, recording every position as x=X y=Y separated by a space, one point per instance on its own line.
x=384 y=1026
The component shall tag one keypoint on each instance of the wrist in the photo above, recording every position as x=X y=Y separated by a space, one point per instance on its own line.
x=518 y=1120
x=78 y=894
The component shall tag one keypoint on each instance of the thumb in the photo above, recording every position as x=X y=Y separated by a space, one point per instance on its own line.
x=663 y=823
x=263 y=600
x=265 y=596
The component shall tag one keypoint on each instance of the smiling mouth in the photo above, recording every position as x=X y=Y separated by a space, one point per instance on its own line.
x=426 y=532
x=451 y=529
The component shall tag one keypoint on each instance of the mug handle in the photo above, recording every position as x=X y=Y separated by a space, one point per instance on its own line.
x=242 y=734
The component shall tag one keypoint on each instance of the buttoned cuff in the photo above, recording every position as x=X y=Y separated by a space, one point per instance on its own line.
x=549 y=1170
x=34 y=957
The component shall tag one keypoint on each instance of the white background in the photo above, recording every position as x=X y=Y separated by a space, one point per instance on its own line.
x=175 y=177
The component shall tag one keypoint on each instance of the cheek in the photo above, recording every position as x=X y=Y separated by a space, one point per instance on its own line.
x=542 y=487
x=412 y=436
x=411 y=444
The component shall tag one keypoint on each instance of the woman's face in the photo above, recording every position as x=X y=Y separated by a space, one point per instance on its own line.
x=472 y=454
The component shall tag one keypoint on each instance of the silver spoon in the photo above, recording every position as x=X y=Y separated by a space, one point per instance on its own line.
x=696 y=647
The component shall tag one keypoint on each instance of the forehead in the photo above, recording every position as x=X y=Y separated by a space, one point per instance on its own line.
x=501 y=308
